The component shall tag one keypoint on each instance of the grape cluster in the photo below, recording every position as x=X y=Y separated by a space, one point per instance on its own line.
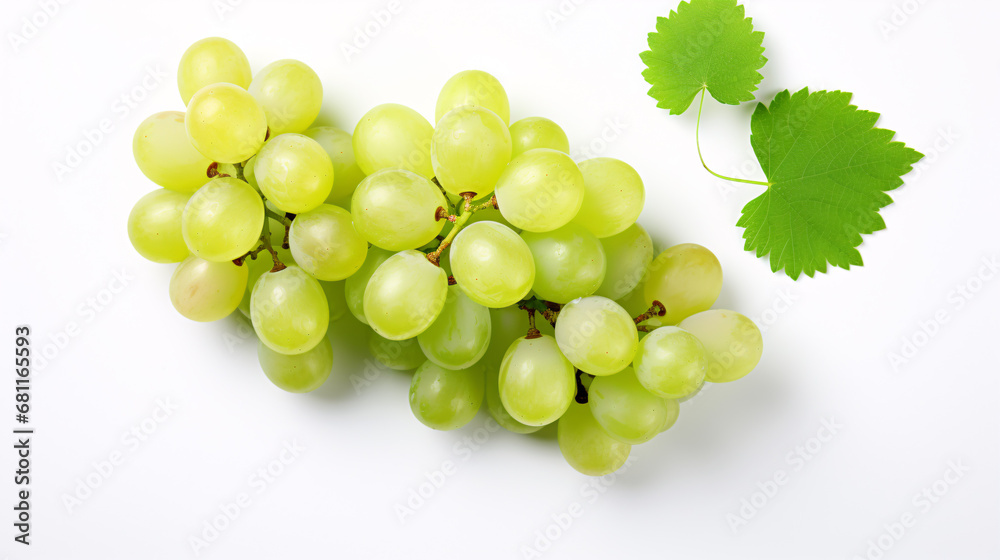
x=479 y=253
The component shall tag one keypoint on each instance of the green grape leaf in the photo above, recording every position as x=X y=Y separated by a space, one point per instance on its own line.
x=828 y=170
x=704 y=44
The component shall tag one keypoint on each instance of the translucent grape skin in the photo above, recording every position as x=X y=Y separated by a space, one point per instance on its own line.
x=475 y=88
x=325 y=243
x=154 y=226
x=673 y=412
x=537 y=383
x=614 y=196
x=569 y=263
x=671 y=362
x=355 y=285
x=405 y=295
x=401 y=355
x=625 y=409
x=446 y=399
x=392 y=136
x=732 y=341
x=225 y=123
x=258 y=267
x=165 y=155
x=294 y=172
x=207 y=291
x=336 y=300
x=397 y=210
x=289 y=311
x=686 y=278
x=298 y=373
x=210 y=61
x=628 y=256
x=596 y=335
x=491 y=264
x=537 y=132
x=223 y=220
x=586 y=446
x=346 y=173
x=291 y=94
x=540 y=190
x=495 y=406
x=470 y=148
x=460 y=335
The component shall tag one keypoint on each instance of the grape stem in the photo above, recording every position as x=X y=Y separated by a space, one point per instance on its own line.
x=451 y=208
x=655 y=310
x=547 y=309
x=286 y=220
x=697 y=143
x=213 y=171
x=252 y=255
x=491 y=203
x=460 y=221
x=239 y=171
x=532 y=331
x=265 y=238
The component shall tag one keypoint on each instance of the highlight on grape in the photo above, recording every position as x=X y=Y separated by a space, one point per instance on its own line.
x=480 y=255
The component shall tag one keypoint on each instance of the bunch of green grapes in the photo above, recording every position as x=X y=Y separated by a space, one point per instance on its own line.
x=476 y=251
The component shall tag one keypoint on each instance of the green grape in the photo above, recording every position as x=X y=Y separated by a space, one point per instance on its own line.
x=671 y=362
x=248 y=175
x=290 y=93
x=400 y=355
x=613 y=197
x=628 y=254
x=223 y=220
x=165 y=155
x=495 y=406
x=634 y=302
x=625 y=409
x=732 y=341
x=210 y=61
x=289 y=311
x=673 y=411
x=392 y=136
x=540 y=190
x=354 y=286
x=154 y=226
x=325 y=244
x=491 y=264
x=460 y=335
x=298 y=373
x=257 y=267
x=537 y=132
x=569 y=262
x=405 y=295
x=586 y=446
x=397 y=210
x=596 y=335
x=207 y=291
x=686 y=278
x=294 y=173
x=225 y=123
x=476 y=88
x=537 y=383
x=469 y=150
x=346 y=173
x=336 y=301
x=446 y=399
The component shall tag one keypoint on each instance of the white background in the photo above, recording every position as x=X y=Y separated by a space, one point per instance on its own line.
x=827 y=355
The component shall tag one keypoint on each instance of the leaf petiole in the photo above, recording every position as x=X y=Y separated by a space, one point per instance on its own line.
x=697 y=142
